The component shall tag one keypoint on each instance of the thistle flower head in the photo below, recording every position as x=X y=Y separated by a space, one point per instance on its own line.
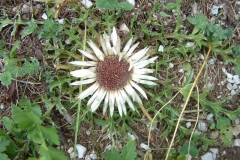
x=114 y=73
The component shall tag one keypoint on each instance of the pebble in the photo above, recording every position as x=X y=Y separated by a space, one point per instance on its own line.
x=235 y=86
x=132 y=136
x=209 y=116
x=171 y=65
x=70 y=150
x=229 y=86
x=236 y=143
x=233 y=92
x=214 y=9
x=202 y=126
x=190 y=44
x=201 y=57
x=93 y=155
x=188 y=124
x=181 y=70
x=197 y=132
x=208 y=156
x=144 y=146
x=124 y=28
x=26 y=9
x=87 y=157
x=87 y=3
x=160 y=48
x=236 y=79
x=236 y=130
x=213 y=134
x=214 y=150
x=44 y=16
x=81 y=150
x=132 y=2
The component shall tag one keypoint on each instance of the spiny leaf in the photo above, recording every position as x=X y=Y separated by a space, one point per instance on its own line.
x=129 y=151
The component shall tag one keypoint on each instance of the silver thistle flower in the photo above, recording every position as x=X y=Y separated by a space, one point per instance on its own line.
x=115 y=74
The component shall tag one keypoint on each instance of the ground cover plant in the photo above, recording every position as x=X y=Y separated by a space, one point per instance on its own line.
x=193 y=107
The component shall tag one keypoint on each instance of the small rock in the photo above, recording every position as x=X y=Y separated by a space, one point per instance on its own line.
x=88 y=132
x=209 y=116
x=236 y=143
x=60 y=21
x=144 y=146
x=236 y=79
x=87 y=157
x=208 y=156
x=26 y=9
x=171 y=65
x=213 y=134
x=214 y=9
x=188 y=124
x=229 y=86
x=93 y=155
x=190 y=44
x=212 y=61
x=44 y=16
x=236 y=130
x=70 y=150
x=131 y=135
x=201 y=56
x=214 y=150
x=202 y=126
x=81 y=150
x=87 y=3
x=160 y=48
x=124 y=28
x=237 y=121
x=132 y=2
x=235 y=86
x=197 y=132
x=230 y=76
x=230 y=80
x=233 y=92
x=181 y=70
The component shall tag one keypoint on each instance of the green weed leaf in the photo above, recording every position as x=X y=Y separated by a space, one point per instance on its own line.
x=24 y=119
x=3 y=156
x=222 y=121
x=4 y=143
x=14 y=49
x=193 y=151
x=8 y=123
x=6 y=78
x=129 y=150
x=113 y=4
x=50 y=134
x=113 y=154
x=36 y=135
x=30 y=28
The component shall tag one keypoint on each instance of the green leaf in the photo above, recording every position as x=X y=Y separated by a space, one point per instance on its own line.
x=129 y=150
x=35 y=135
x=112 y=154
x=6 y=78
x=106 y=4
x=30 y=68
x=14 y=49
x=124 y=6
x=32 y=26
x=187 y=67
x=8 y=123
x=50 y=134
x=192 y=150
x=57 y=154
x=226 y=135
x=24 y=119
x=222 y=121
x=3 y=156
x=163 y=14
x=4 y=143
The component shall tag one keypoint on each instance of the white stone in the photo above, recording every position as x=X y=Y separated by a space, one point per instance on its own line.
x=132 y=2
x=181 y=70
x=188 y=124
x=208 y=156
x=233 y=92
x=70 y=150
x=229 y=86
x=230 y=76
x=132 y=136
x=88 y=132
x=190 y=44
x=197 y=132
x=236 y=130
x=93 y=155
x=87 y=3
x=214 y=9
x=144 y=146
x=209 y=116
x=201 y=56
x=44 y=16
x=212 y=61
x=230 y=80
x=236 y=79
x=71 y=155
x=124 y=28
x=223 y=82
x=161 y=48
x=87 y=157
x=81 y=150
x=237 y=121
x=60 y=21
x=202 y=126
x=236 y=143
x=224 y=70
x=214 y=150
x=235 y=86
x=171 y=65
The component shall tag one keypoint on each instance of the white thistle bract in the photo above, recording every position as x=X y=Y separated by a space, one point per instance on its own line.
x=115 y=74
